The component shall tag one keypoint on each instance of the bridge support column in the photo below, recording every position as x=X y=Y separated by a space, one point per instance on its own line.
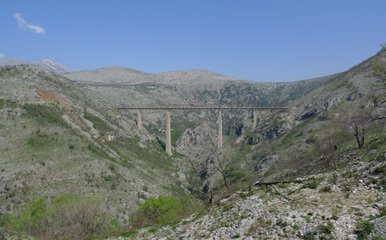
x=139 y=120
x=168 y=139
x=254 y=123
x=219 y=130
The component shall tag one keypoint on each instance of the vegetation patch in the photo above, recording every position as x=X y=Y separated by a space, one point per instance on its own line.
x=41 y=140
x=363 y=228
x=260 y=223
x=325 y=189
x=164 y=211
x=322 y=231
x=44 y=114
x=66 y=217
x=5 y=103
x=98 y=123
x=98 y=151
x=312 y=183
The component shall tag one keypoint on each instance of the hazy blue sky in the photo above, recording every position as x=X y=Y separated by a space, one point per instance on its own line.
x=267 y=40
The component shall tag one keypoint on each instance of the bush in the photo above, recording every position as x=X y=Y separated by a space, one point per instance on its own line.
x=280 y=222
x=363 y=228
x=322 y=231
x=163 y=211
x=326 y=189
x=41 y=140
x=382 y=211
x=5 y=103
x=44 y=114
x=67 y=217
x=260 y=223
x=98 y=123
x=326 y=229
x=380 y=170
x=98 y=151
x=312 y=183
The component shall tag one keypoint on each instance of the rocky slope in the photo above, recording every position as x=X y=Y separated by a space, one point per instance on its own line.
x=64 y=136
x=58 y=139
x=46 y=64
x=325 y=206
x=283 y=143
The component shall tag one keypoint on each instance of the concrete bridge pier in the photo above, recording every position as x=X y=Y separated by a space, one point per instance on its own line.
x=168 y=139
x=254 y=123
x=139 y=120
x=219 y=130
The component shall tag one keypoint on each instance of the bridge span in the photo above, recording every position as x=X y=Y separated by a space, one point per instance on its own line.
x=219 y=109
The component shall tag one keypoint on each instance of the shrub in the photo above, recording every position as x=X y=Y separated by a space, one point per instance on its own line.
x=333 y=179
x=363 y=228
x=280 y=222
x=382 y=211
x=326 y=189
x=44 y=114
x=380 y=170
x=98 y=123
x=327 y=229
x=41 y=140
x=163 y=211
x=98 y=151
x=67 y=217
x=258 y=224
x=7 y=103
x=312 y=183
x=322 y=231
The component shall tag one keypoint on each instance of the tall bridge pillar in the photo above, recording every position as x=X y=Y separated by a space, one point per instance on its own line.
x=168 y=139
x=254 y=123
x=219 y=129
x=139 y=120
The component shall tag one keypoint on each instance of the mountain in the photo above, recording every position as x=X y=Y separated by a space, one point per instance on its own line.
x=51 y=66
x=314 y=170
x=58 y=139
x=45 y=64
x=108 y=75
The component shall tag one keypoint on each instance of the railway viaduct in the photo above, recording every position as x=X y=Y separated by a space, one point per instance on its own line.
x=219 y=109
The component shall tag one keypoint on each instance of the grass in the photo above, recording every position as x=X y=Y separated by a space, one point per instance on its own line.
x=41 y=140
x=258 y=224
x=382 y=211
x=7 y=103
x=164 y=211
x=322 y=231
x=153 y=154
x=98 y=123
x=98 y=151
x=325 y=189
x=44 y=114
x=312 y=183
x=66 y=217
x=363 y=228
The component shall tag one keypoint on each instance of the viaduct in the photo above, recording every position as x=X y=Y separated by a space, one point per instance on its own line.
x=168 y=144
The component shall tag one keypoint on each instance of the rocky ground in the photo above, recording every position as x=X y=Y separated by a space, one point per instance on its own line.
x=340 y=205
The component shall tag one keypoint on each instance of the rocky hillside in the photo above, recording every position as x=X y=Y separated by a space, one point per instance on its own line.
x=314 y=170
x=46 y=64
x=58 y=139
x=347 y=204
x=284 y=144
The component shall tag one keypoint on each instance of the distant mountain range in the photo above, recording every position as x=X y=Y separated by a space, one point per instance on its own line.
x=45 y=64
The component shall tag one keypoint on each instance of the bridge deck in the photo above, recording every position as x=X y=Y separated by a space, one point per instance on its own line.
x=202 y=108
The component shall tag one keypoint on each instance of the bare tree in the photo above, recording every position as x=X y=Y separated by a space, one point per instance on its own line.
x=220 y=163
x=358 y=120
